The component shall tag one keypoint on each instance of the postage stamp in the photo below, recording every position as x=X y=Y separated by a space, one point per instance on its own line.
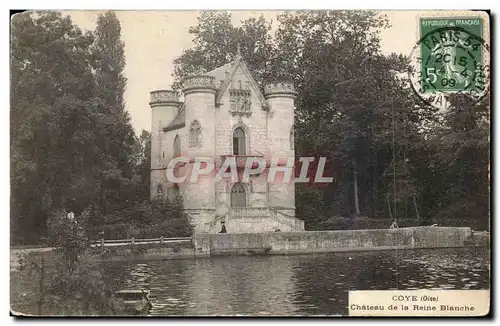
x=451 y=56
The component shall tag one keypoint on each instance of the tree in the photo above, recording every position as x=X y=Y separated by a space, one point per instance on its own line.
x=117 y=138
x=461 y=149
x=71 y=137
x=348 y=93
x=71 y=286
x=216 y=42
x=52 y=142
x=144 y=163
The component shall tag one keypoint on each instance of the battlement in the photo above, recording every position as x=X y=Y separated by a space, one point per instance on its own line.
x=163 y=97
x=199 y=83
x=280 y=90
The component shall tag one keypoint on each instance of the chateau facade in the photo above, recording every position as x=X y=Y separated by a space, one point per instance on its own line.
x=224 y=116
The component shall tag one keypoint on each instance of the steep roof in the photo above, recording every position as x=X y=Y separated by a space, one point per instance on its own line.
x=178 y=122
x=231 y=67
x=223 y=75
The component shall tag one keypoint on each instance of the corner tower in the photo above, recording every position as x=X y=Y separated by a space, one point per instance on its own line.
x=280 y=99
x=164 y=105
x=199 y=102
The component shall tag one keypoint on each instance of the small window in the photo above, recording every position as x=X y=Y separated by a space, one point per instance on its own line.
x=195 y=134
x=292 y=138
x=163 y=154
x=177 y=146
x=239 y=142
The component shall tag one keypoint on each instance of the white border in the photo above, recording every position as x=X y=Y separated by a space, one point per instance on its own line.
x=198 y=4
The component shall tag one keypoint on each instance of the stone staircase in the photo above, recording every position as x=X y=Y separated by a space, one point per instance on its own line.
x=261 y=219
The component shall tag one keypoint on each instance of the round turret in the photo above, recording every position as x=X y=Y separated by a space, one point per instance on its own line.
x=165 y=107
x=163 y=97
x=199 y=83
x=279 y=90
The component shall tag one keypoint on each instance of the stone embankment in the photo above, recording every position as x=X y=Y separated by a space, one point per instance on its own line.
x=283 y=243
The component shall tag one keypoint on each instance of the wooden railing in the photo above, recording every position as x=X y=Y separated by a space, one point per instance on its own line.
x=131 y=241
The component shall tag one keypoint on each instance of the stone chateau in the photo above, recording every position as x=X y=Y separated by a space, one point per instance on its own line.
x=224 y=114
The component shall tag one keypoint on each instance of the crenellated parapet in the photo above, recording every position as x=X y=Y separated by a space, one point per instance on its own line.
x=280 y=90
x=164 y=97
x=199 y=83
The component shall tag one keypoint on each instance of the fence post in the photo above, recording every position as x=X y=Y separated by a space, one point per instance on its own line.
x=102 y=242
x=133 y=240
x=161 y=240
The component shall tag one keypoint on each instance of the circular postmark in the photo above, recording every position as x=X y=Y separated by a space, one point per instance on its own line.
x=449 y=60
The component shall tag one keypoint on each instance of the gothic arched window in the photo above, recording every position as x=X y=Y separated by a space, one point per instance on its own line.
x=177 y=146
x=195 y=134
x=292 y=138
x=239 y=142
x=238 y=195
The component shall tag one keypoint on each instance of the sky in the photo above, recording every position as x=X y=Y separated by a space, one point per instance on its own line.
x=153 y=39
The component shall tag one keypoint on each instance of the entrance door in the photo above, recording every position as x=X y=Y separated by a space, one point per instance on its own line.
x=238 y=195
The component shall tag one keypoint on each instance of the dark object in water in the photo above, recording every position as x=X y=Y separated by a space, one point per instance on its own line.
x=136 y=301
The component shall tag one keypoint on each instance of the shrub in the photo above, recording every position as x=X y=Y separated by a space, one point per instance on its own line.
x=146 y=220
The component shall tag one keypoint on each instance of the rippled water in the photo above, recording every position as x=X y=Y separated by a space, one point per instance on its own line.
x=295 y=285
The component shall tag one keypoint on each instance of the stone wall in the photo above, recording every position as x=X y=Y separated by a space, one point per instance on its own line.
x=206 y=245
x=332 y=241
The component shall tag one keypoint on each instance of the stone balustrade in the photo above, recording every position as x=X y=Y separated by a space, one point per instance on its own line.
x=163 y=96
x=199 y=83
x=283 y=219
x=279 y=89
x=241 y=160
x=249 y=212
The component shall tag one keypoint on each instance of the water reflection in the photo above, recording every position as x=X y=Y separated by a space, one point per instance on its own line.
x=295 y=285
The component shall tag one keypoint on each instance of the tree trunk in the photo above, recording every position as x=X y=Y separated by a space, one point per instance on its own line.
x=389 y=205
x=356 y=199
x=416 y=208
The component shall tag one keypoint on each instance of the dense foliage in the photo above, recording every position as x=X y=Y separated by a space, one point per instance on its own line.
x=66 y=284
x=72 y=144
x=393 y=156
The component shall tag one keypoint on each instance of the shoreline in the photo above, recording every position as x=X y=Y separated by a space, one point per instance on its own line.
x=284 y=243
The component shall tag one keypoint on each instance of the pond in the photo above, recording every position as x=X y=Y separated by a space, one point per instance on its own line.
x=297 y=284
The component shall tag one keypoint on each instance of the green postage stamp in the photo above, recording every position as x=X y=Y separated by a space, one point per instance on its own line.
x=451 y=56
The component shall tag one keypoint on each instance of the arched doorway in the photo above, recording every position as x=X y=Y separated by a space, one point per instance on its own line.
x=238 y=195
x=239 y=142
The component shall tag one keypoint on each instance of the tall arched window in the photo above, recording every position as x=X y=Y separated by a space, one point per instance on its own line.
x=195 y=134
x=292 y=138
x=239 y=142
x=238 y=195
x=177 y=146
